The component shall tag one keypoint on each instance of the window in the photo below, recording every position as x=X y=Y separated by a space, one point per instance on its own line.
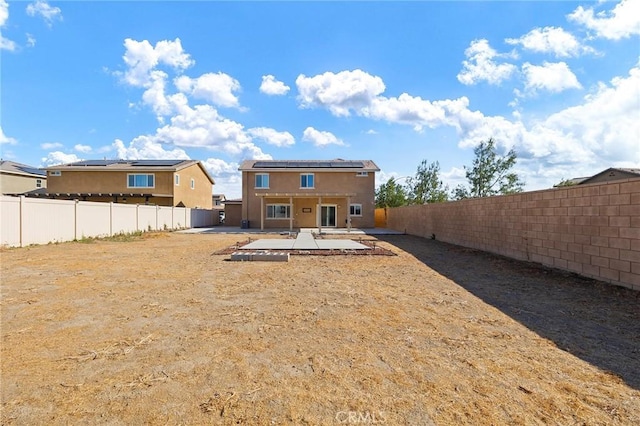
x=193 y=184
x=177 y=180
x=262 y=180
x=362 y=174
x=355 y=209
x=306 y=180
x=278 y=211
x=55 y=173
x=140 y=181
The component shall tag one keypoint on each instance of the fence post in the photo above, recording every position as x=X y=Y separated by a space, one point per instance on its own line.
x=75 y=220
x=137 y=217
x=22 y=198
x=111 y=219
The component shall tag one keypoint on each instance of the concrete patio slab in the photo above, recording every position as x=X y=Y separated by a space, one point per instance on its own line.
x=305 y=241
x=340 y=245
x=270 y=244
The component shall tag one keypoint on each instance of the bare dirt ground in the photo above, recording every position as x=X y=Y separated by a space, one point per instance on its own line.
x=160 y=330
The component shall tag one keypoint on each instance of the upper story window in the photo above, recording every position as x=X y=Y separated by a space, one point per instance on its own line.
x=55 y=173
x=193 y=184
x=177 y=179
x=306 y=180
x=141 y=181
x=262 y=180
x=360 y=174
x=38 y=183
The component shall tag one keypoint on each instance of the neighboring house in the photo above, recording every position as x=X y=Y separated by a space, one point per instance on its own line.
x=181 y=183
x=308 y=194
x=612 y=174
x=16 y=178
x=218 y=207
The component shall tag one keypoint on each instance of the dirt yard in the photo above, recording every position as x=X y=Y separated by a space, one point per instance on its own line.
x=160 y=330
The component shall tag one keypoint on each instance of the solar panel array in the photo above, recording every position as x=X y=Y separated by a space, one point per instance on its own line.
x=32 y=170
x=133 y=163
x=308 y=165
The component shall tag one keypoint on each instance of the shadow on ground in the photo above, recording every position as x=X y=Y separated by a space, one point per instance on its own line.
x=595 y=321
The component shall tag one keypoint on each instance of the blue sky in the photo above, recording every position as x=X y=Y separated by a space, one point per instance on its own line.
x=395 y=82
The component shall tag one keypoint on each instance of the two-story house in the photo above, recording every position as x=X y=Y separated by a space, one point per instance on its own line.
x=181 y=183
x=16 y=178
x=308 y=194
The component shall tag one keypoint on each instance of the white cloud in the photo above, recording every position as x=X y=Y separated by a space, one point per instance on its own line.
x=226 y=175
x=621 y=22
x=272 y=137
x=51 y=145
x=47 y=12
x=31 y=40
x=5 y=43
x=271 y=86
x=553 y=40
x=340 y=93
x=371 y=132
x=141 y=58
x=320 y=138
x=602 y=131
x=144 y=147
x=215 y=88
x=85 y=149
x=481 y=65
x=4 y=139
x=552 y=77
x=57 y=157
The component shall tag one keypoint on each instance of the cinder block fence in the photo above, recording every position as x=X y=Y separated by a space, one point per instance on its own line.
x=593 y=230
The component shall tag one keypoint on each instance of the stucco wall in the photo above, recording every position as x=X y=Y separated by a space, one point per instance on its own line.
x=324 y=182
x=593 y=230
x=18 y=184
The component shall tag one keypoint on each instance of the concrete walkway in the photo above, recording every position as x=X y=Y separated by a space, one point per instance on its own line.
x=325 y=231
x=304 y=241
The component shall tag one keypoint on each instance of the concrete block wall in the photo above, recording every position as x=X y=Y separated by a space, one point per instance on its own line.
x=593 y=230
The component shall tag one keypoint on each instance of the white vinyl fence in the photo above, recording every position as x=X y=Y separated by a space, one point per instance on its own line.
x=25 y=221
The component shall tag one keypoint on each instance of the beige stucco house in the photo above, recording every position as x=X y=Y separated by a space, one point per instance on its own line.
x=16 y=178
x=308 y=194
x=182 y=183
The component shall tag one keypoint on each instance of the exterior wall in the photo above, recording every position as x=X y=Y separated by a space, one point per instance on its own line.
x=592 y=230
x=18 y=184
x=27 y=221
x=200 y=196
x=232 y=214
x=324 y=182
x=95 y=182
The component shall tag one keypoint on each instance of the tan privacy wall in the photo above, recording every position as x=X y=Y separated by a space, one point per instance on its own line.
x=593 y=230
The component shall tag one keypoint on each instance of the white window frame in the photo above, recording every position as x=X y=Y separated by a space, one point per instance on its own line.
x=362 y=174
x=353 y=208
x=141 y=174
x=177 y=179
x=262 y=183
x=313 y=178
x=193 y=183
x=274 y=217
x=55 y=173
x=38 y=183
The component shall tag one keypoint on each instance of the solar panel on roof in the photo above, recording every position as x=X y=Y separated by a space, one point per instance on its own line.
x=269 y=164
x=94 y=163
x=307 y=164
x=158 y=163
x=32 y=170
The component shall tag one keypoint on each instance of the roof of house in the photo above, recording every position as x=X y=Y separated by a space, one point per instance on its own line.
x=337 y=165
x=13 y=168
x=612 y=172
x=131 y=166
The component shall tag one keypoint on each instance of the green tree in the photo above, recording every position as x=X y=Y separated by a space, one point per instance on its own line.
x=426 y=186
x=391 y=194
x=566 y=182
x=490 y=173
